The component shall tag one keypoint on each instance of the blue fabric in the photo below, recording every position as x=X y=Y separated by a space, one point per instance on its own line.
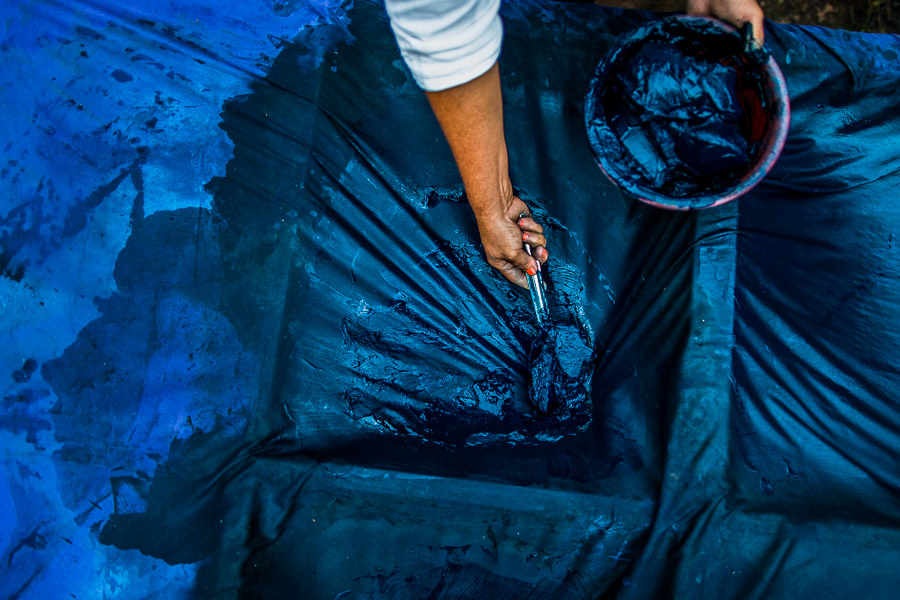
x=253 y=350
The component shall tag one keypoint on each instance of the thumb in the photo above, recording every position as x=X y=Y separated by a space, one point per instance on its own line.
x=759 y=32
x=524 y=261
x=514 y=268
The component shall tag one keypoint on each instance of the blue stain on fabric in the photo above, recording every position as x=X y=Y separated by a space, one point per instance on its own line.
x=24 y=374
x=121 y=76
x=142 y=372
x=113 y=114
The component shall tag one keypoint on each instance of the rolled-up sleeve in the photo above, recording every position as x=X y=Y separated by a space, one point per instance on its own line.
x=446 y=43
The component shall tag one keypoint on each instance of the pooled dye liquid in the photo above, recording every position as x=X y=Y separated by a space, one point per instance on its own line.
x=686 y=112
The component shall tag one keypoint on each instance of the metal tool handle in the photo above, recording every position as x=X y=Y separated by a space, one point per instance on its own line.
x=538 y=296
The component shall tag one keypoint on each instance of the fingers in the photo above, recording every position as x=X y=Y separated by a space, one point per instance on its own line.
x=736 y=12
x=529 y=224
x=758 y=21
x=532 y=234
x=503 y=237
x=524 y=262
x=535 y=240
x=514 y=275
x=739 y=12
x=515 y=267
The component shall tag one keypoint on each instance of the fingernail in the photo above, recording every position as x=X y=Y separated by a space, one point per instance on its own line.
x=524 y=236
x=531 y=271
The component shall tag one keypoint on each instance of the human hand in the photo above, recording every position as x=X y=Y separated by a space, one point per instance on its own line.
x=471 y=116
x=502 y=235
x=736 y=12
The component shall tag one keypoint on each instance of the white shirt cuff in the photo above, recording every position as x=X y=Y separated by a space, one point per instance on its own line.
x=446 y=43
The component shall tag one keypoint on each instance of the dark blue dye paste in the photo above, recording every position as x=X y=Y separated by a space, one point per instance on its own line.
x=685 y=109
x=560 y=364
x=531 y=385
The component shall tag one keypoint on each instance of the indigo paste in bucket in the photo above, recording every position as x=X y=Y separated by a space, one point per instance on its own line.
x=686 y=114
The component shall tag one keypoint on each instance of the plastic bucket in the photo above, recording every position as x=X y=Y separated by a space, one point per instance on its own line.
x=767 y=107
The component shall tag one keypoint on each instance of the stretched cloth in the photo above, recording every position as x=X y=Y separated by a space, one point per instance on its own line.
x=253 y=350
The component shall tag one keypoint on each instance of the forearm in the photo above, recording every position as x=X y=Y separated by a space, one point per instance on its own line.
x=445 y=44
x=471 y=116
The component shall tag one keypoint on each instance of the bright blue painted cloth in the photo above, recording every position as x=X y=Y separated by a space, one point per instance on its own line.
x=253 y=349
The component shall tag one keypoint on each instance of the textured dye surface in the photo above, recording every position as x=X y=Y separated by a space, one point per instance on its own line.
x=683 y=127
x=228 y=244
x=683 y=111
x=561 y=362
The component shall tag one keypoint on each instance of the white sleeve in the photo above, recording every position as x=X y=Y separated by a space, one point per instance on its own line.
x=446 y=42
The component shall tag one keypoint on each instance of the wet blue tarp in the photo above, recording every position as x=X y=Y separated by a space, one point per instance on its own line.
x=251 y=349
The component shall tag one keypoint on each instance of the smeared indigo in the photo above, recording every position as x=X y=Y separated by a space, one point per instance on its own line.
x=24 y=374
x=684 y=108
x=743 y=420
x=397 y=350
x=561 y=362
